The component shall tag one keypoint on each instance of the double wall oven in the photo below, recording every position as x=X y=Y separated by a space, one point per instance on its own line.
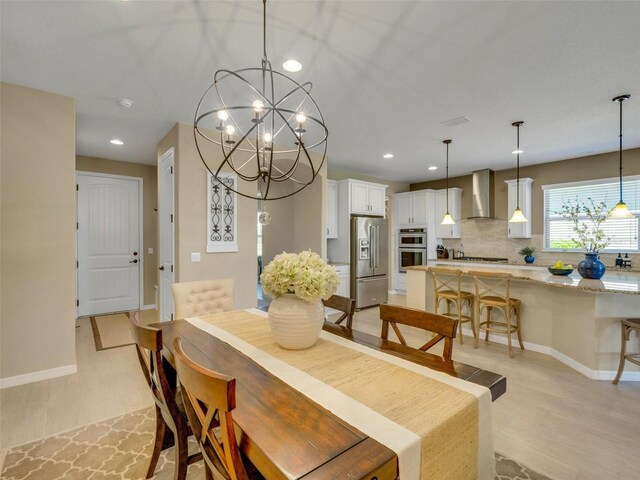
x=412 y=248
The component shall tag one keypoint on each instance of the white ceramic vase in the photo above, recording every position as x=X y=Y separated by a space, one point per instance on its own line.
x=295 y=324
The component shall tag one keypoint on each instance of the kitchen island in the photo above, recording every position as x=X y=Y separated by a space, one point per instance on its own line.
x=576 y=321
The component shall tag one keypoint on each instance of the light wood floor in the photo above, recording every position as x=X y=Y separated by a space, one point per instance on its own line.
x=552 y=419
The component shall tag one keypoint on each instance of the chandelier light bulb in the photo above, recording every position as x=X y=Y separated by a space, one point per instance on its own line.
x=258 y=106
x=301 y=117
x=230 y=130
x=268 y=137
x=223 y=115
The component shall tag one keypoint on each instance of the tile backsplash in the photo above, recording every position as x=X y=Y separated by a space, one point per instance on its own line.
x=488 y=238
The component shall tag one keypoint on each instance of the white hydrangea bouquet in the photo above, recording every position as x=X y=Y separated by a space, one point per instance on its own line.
x=304 y=274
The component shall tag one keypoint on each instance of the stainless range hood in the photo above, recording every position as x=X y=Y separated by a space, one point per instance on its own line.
x=483 y=197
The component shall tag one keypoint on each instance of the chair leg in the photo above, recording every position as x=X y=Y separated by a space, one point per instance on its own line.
x=161 y=429
x=507 y=314
x=486 y=332
x=478 y=318
x=181 y=453
x=207 y=473
x=518 y=324
x=472 y=315
x=459 y=308
x=623 y=352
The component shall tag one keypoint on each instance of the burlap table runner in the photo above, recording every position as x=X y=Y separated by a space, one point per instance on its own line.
x=412 y=402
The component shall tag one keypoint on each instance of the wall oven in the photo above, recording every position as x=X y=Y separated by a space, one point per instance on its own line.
x=412 y=248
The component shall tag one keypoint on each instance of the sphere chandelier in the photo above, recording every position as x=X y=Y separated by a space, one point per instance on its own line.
x=266 y=125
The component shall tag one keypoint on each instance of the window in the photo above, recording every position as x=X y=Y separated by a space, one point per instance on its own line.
x=623 y=231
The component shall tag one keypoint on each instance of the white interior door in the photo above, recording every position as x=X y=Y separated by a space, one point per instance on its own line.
x=165 y=218
x=109 y=255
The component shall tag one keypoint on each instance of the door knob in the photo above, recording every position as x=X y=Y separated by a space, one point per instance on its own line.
x=161 y=268
x=134 y=261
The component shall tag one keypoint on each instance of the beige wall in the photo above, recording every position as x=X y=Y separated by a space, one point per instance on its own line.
x=191 y=223
x=489 y=237
x=149 y=175
x=38 y=245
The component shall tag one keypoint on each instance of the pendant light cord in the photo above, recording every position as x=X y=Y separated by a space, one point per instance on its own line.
x=518 y=168
x=447 y=178
x=620 y=102
x=264 y=30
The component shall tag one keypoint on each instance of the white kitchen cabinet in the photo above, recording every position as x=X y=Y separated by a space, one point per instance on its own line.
x=519 y=230
x=366 y=198
x=411 y=208
x=344 y=287
x=455 y=209
x=332 y=209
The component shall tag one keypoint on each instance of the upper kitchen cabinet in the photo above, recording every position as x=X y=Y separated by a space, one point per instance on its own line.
x=455 y=202
x=411 y=208
x=519 y=230
x=366 y=198
x=332 y=209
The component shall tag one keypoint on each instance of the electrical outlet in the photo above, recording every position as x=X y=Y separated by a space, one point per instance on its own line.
x=195 y=256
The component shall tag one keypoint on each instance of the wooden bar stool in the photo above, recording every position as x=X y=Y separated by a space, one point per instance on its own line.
x=627 y=326
x=493 y=290
x=446 y=286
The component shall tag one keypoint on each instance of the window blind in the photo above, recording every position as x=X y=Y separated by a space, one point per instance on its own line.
x=623 y=231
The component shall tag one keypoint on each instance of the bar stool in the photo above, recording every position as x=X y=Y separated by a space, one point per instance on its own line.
x=446 y=286
x=627 y=326
x=493 y=290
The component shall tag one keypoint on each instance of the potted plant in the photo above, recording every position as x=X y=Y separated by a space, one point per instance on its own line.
x=297 y=282
x=527 y=253
x=587 y=219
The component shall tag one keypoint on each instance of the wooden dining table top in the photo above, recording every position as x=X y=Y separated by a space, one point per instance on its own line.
x=287 y=435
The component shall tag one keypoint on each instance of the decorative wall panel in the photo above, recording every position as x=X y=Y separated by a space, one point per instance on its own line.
x=222 y=213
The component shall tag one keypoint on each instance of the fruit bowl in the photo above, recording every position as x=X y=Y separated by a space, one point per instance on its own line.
x=560 y=271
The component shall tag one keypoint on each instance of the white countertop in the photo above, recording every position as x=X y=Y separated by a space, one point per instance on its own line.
x=612 y=282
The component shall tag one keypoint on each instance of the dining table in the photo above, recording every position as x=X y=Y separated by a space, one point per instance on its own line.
x=295 y=422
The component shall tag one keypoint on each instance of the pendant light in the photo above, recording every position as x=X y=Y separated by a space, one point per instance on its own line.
x=518 y=216
x=621 y=210
x=447 y=219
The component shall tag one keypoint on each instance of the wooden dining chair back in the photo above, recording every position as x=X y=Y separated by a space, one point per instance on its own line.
x=168 y=403
x=493 y=291
x=345 y=305
x=211 y=397
x=443 y=327
x=202 y=297
x=447 y=286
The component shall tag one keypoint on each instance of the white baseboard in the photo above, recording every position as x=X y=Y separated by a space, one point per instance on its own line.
x=568 y=361
x=149 y=307
x=38 y=376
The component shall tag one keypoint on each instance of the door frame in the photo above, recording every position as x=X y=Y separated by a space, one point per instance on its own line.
x=169 y=152
x=140 y=181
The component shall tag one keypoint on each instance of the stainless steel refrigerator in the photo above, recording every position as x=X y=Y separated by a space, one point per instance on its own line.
x=369 y=261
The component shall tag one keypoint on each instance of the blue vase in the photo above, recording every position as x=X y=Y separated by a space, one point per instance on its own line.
x=591 y=267
x=529 y=259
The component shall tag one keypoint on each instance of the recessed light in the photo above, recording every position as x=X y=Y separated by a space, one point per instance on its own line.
x=292 y=65
x=388 y=155
x=517 y=151
x=125 y=103
x=115 y=141
x=433 y=167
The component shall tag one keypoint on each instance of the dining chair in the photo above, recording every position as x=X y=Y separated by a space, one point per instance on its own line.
x=211 y=398
x=493 y=291
x=203 y=296
x=345 y=305
x=627 y=326
x=447 y=286
x=443 y=327
x=169 y=405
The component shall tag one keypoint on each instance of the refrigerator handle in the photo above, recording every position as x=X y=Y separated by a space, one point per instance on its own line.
x=372 y=246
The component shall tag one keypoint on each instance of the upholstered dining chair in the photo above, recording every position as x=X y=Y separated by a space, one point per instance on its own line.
x=210 y=400
x=203 y=296
x=345 y=305
x=170 y=412
x=443 y=327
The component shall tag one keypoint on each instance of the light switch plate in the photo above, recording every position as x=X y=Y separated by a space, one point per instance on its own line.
x=150 y=251
x=195 y=256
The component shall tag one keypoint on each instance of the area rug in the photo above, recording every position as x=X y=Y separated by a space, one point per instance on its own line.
x=120 y=448
x=111 y=331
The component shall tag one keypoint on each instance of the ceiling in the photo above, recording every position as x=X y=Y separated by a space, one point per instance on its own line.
x=385 y=74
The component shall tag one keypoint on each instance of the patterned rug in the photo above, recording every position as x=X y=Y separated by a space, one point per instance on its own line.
x=120 y=448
